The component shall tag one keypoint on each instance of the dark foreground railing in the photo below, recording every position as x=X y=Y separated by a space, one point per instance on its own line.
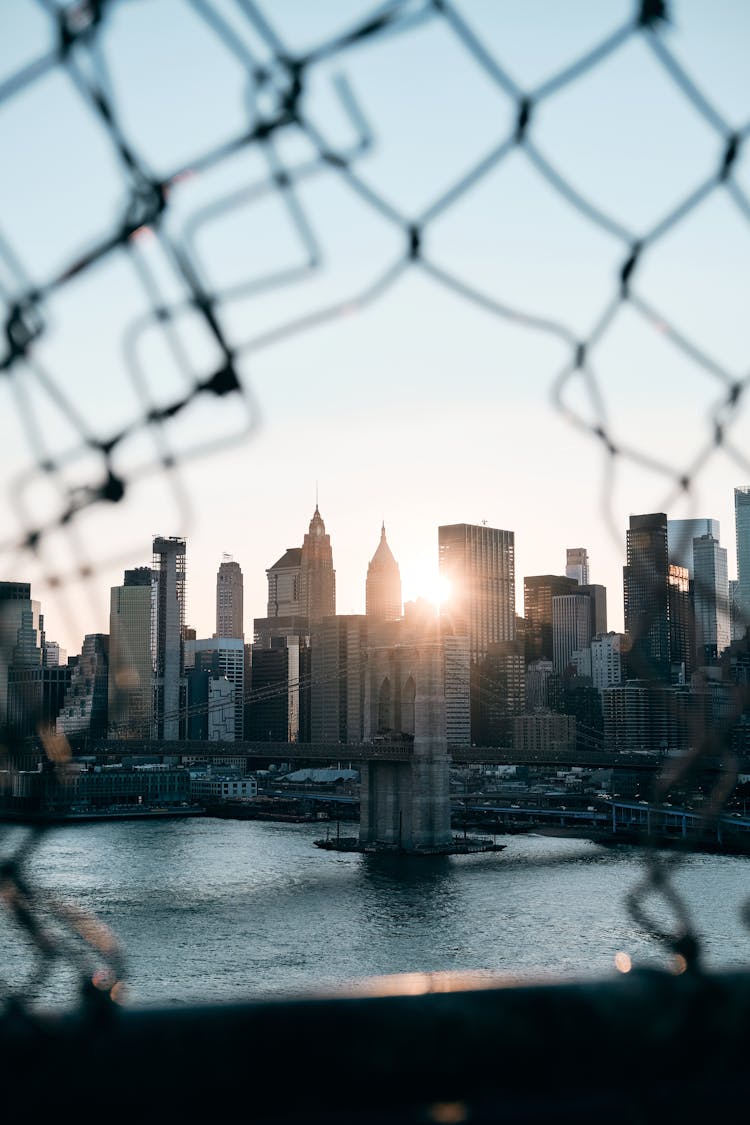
x=646 y=1046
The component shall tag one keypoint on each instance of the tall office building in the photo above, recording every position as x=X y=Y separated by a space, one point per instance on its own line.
x=20 y=625
x=597 y=595
x=681 y=630
x=737 y=626
x=479 y=564
x=84 y=709
x=169 y=582
x=499 y=693
x=538 y=592
x=211 y=698
x=680 y=536
x=279 y=709
x=131 y=655
x=383 y=586
x=742 y=533
x=229 y=664
x=317 y=578
x=607 y=660
x=229 y=600
x=571 y=629
x=711 y=599
x=646 y=596
x=283 y=585
x=577 y=565
x=338 y=658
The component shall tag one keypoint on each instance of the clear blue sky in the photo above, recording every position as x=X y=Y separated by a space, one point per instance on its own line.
x=423 y=409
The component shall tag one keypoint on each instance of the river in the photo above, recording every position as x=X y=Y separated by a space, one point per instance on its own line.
x=214 y=910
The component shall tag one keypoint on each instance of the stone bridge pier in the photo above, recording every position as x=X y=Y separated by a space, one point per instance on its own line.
x=406 y=804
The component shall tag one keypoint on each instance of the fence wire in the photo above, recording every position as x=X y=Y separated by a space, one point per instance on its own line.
x=280 y=106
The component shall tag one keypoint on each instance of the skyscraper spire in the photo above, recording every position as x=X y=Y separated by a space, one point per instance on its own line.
x=317 y=593
x=383 y=587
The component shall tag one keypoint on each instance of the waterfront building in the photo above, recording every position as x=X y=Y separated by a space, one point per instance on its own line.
x=538 y=592
x=680 y=536
x=84 y=708
x=646 y=596
x=710 y=599
x=169 y=572
x=577 y=565
x=229 y=600
x=221 y=787
x=230 y=664
x=131 y=655
x=479 y=564
x=383 y=585
x=101 y=787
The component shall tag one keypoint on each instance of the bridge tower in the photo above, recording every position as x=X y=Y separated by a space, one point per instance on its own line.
x=406 y=804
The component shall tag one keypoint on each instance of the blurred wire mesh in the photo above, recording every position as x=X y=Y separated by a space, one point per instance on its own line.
x=84 y=456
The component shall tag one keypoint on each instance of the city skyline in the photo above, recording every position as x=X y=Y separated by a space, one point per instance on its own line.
x=420 y=580
x=423 y=398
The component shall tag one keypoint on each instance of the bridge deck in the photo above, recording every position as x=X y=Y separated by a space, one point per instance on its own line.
x=377 y=751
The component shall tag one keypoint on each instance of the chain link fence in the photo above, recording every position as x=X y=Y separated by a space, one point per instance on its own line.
x=188 y=305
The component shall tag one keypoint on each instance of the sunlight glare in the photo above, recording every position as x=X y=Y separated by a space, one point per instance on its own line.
x=422 y=580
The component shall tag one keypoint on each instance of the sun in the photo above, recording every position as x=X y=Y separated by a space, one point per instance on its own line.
x=421 y=579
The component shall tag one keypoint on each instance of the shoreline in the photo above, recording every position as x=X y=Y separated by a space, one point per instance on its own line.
x=639 y=839
x=90 y=816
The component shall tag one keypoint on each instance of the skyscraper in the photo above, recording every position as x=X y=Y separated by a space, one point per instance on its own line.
x=283 y=585
x=680 y=536
x=538 y=592
x=479 y=564
x=681 y=631
x=646 y=596
x=711 y=599
x=742 y=532
x=169 y=581
x=577 y=565
x=131 y=655
x=21 y=635
x=383 y=586
x=337 y=655
x=229 y=663
x=229 y=599
x=84 y=710
x=317 y=578
x=571 y=628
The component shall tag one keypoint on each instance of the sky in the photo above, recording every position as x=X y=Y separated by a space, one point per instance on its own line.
x=422 y=407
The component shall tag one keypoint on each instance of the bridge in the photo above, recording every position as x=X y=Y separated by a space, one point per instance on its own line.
x=377 y=750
